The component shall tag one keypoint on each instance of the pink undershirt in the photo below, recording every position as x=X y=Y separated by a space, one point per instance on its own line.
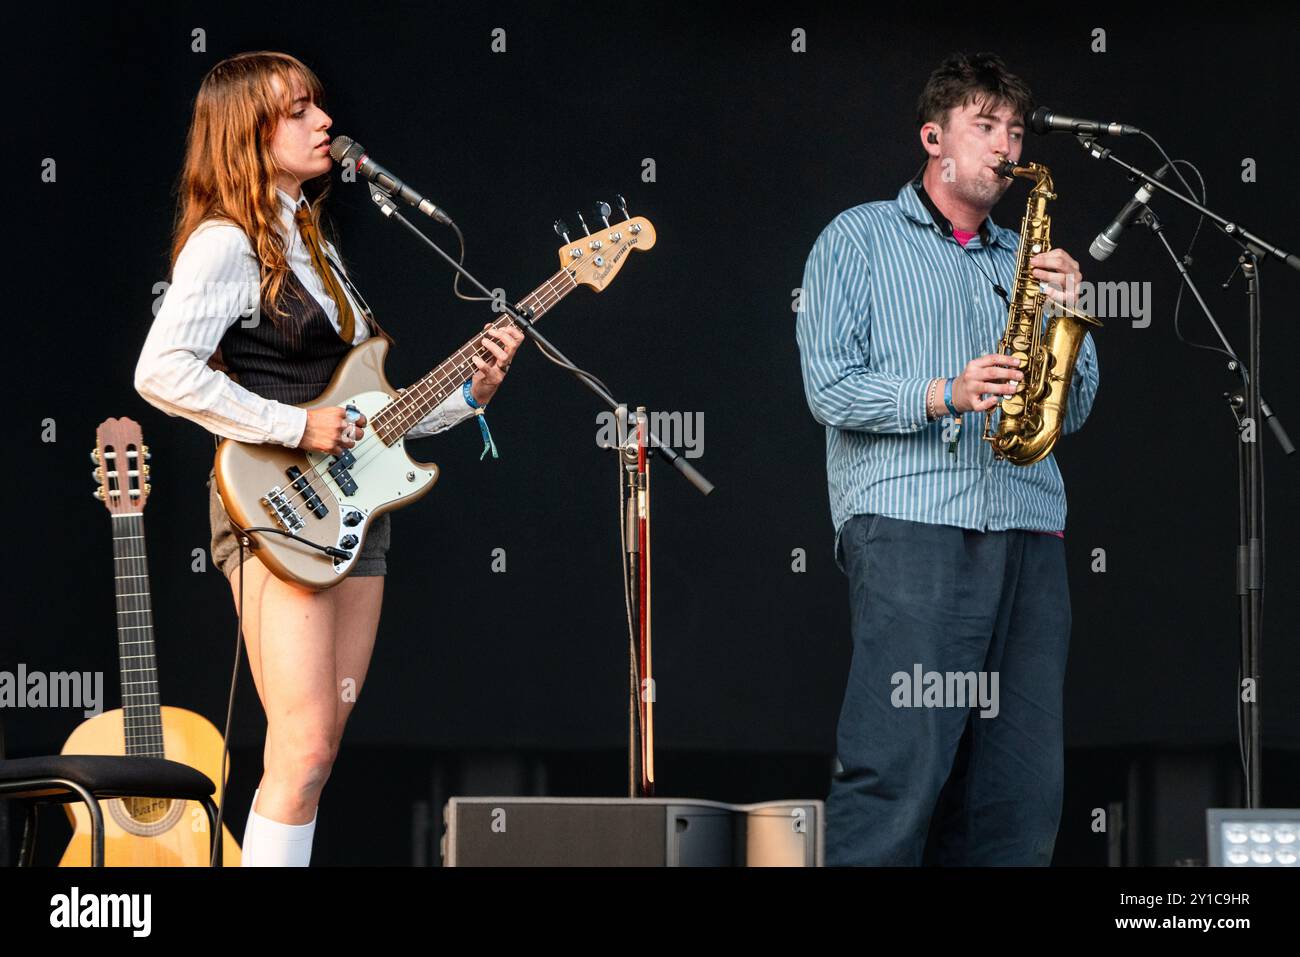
x=964 y=237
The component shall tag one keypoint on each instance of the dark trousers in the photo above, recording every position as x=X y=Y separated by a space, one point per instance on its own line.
x=938 y=783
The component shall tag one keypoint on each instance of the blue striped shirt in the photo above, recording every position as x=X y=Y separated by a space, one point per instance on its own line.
x=887 y=305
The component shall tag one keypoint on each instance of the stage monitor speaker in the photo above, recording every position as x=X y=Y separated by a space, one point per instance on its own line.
x=629 y=832
x=784 y=834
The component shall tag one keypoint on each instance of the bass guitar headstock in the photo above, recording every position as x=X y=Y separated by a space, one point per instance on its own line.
x=595 y=259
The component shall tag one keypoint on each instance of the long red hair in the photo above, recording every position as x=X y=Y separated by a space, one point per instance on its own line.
x=229 y=170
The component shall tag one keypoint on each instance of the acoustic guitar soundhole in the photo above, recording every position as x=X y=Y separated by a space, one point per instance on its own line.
x=146 y=816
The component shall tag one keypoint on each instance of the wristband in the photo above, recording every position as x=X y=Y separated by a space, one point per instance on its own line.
x=488 y=444
x=952 y=410
x=947 y=398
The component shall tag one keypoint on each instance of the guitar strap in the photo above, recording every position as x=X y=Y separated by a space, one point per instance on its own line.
x=375 y=328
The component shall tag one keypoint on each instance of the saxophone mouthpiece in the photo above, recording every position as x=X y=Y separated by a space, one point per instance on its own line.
x=1006 y=169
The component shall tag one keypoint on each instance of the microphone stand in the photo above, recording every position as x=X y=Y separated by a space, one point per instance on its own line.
x=1250 y=470
x=648 y=440
x=634 y=463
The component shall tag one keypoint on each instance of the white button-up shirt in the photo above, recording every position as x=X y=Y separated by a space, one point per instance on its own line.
x=215 y=283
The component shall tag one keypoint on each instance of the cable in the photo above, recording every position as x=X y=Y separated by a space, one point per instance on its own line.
x=997 y=286
x=230 y=704
x=1172 y=165
x=230 y=699
x=1187 y=262
x=455 y=283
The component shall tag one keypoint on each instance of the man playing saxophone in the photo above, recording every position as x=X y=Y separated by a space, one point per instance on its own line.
x=949 y=742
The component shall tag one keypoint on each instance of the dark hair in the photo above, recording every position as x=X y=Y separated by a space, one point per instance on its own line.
x=965 y=78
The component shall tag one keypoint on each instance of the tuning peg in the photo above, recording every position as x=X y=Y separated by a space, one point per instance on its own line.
x=147 y=454
x=583 y=223
x=603 y=209
x=622 y=204
x=98 y=475
x=94 y=456
x=98 y=493
x=562 y=230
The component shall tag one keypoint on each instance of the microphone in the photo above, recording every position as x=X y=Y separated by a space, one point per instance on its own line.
x=1108 y=239
x=1045 y=121
x=344 y=148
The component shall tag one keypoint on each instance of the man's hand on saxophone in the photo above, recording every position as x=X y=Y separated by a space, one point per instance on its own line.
x=1059 y=270
x=994 y=375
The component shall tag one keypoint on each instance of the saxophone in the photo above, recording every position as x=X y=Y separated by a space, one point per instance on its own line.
x=1033 y=415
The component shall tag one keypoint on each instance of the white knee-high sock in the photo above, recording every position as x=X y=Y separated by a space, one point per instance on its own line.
x=248 y=831
x=272 y=844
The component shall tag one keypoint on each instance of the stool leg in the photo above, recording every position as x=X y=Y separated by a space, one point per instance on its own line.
x=27 y=850
x=216 y=847
x=96 y=817
x=97 y=829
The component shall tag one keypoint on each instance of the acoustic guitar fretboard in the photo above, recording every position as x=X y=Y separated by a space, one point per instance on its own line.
x=141 y=706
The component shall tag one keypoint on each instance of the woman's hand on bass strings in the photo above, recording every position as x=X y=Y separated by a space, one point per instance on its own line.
x=329 y=430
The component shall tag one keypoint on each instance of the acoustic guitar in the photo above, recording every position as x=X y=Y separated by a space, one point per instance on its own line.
x=141 y=832
x=318 y=505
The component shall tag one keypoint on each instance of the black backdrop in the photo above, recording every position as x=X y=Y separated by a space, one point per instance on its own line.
x=756 y=148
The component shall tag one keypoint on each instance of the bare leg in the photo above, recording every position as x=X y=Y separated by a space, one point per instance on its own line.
x=253 y=598
x=290 y=634
x=357 y=608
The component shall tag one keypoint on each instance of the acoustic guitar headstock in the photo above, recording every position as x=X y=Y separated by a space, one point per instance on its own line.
x=121 y=466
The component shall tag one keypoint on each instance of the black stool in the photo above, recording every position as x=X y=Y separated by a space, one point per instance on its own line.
x=89 y=778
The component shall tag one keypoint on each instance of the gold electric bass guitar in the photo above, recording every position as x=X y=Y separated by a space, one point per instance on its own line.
x=315 y=500
x=141 y=831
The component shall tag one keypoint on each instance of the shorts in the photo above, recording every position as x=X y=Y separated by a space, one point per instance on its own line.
x=372 y=562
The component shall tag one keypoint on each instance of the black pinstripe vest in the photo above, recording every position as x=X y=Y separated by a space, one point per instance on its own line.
x=290 y=357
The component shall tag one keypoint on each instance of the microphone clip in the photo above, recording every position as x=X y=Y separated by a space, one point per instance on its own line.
x=382 y=199
x=1092 y=147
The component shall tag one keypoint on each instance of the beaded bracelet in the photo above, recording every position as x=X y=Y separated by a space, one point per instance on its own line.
x=931 y=412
